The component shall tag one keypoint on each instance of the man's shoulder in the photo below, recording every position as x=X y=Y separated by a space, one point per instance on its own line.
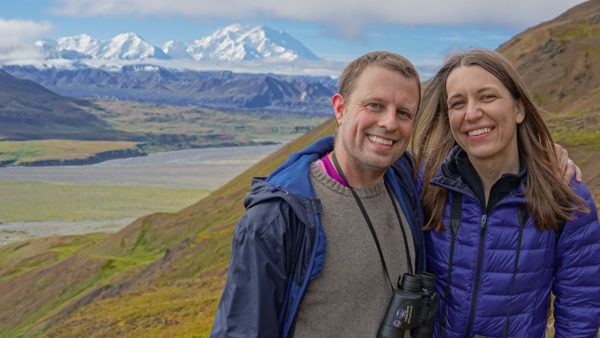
x=270 y=208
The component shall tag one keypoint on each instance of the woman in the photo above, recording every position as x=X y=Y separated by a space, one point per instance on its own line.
x=505 y=228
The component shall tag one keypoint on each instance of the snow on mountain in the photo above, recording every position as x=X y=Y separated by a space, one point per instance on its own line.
x=82 y=43
x=51 y=50
x=241 y=43
x=175 y=50
x=128 y=46
x=231 y=44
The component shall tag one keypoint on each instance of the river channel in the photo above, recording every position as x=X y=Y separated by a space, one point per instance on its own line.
x=206 y=168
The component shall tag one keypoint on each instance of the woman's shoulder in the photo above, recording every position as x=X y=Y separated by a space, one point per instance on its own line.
x=582 y=219
x=581 y=190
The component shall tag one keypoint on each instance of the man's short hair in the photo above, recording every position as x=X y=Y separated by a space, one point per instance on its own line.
x=387 y=60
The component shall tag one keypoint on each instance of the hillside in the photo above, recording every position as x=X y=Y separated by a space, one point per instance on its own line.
x=163 y=274
x=560 y=59
x=560 y=62
x=30 y=111
x=160 y=276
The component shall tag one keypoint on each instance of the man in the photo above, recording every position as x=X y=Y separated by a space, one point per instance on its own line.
x=319 y=249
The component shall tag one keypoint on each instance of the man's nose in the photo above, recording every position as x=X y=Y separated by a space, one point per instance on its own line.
x=389 y=119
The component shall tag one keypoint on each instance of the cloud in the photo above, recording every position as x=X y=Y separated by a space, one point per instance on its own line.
x=18 y=37
x=348 y=17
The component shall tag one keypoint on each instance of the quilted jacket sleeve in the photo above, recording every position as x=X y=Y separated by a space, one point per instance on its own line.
x=577 y=276
x=255 y=285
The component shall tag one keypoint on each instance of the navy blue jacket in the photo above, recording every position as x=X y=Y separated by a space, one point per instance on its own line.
x=483 y=299
x=279 y=246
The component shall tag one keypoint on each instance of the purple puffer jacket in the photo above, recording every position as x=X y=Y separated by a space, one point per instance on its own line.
x=480 y=301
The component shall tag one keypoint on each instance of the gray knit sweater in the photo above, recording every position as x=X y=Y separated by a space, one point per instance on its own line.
x=350 y=296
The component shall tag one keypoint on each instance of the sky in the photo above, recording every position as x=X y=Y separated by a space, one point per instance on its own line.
x=425 y=31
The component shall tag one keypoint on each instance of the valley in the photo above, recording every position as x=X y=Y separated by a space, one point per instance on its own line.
x=72 y=200
x=156 y=128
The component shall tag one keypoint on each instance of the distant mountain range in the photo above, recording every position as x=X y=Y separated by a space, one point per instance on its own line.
x=30 y=111
x=127 y=67
x=233 y=43
x=223 y=90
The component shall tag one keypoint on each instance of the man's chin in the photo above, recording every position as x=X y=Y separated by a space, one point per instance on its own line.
x=379 y=163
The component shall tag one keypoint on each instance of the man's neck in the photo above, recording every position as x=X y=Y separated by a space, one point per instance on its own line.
x=357 y=177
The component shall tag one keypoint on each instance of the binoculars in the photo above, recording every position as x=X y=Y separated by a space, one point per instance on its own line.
x=413 y=307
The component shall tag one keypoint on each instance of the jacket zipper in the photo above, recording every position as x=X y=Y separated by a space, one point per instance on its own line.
x=477 y=274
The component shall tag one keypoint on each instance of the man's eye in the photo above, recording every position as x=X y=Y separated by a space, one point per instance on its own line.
x=374 y=106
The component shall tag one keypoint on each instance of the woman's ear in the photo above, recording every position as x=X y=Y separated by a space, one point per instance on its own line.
x=519 y=112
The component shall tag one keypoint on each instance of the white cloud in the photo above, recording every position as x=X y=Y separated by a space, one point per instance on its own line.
x=348 y=17
x=18 y=37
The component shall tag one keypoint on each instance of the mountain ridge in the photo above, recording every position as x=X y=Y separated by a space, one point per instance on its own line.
x=223 y=90
x=233 y=43
x=26 y=108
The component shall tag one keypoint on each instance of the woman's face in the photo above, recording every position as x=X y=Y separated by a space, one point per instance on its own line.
x=483 y=114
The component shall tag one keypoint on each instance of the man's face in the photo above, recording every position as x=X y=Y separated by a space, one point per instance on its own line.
x=375 y=121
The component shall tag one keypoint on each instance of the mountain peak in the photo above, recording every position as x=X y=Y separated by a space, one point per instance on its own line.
x=237 y=42
x=127 y=36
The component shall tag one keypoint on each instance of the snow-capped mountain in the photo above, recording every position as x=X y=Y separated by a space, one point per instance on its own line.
x=82 y=43
x=126 y=46
x=231 y=44
x=240 y=43
x=129 y=46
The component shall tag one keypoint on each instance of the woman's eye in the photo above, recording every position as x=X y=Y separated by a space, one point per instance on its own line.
x=456 y=104
x=404 y=115
x=487 y=97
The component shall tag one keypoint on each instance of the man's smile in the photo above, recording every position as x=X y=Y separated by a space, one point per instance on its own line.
x=380 y=140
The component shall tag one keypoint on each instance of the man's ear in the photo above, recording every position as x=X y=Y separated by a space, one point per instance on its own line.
x=337 y=101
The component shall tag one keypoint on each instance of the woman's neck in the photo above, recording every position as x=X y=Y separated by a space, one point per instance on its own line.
x=491 y=170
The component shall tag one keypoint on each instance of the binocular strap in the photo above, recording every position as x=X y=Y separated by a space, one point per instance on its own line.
x=370 y=224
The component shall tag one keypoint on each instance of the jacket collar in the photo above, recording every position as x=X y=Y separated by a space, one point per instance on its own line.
x=294 y=174
x=457 y=173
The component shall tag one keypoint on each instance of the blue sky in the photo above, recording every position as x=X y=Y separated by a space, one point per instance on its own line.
x=423 y=30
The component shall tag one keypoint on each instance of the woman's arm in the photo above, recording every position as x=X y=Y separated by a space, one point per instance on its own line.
x=577 y=275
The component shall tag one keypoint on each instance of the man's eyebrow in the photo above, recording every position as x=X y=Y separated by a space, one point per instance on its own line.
x=372 y=98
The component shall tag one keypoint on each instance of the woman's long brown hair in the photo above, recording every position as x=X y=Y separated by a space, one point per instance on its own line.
x=550 y=201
